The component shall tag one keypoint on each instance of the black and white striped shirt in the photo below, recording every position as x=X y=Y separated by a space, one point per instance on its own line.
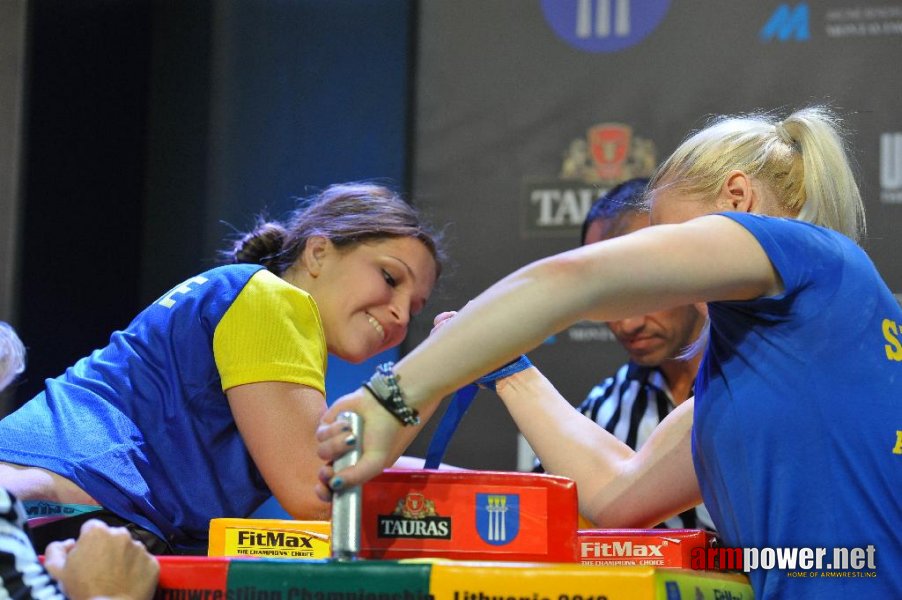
x=21 y=575
x=630 y=405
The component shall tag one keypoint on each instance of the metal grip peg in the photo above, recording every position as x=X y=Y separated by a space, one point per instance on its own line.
x=346 y=503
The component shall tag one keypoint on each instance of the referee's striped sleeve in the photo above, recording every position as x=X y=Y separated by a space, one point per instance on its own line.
x=21 y=575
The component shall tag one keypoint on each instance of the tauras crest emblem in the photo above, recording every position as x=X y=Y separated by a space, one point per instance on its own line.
x=610 y=153
x=415 y=506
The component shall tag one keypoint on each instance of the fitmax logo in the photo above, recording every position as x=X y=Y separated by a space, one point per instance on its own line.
x=787 y=23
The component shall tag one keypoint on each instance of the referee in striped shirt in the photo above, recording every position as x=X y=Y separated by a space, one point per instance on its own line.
x=654 y=381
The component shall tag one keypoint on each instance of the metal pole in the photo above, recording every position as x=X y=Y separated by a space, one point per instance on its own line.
x=346 y=504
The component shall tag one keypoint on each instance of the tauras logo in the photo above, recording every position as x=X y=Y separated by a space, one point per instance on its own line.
x=273 y=538
x=561 y=206
x=414 y=517
x=428 y=527
x=625 y=549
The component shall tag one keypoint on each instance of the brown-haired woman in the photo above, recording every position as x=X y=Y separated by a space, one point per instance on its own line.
x=207 y=403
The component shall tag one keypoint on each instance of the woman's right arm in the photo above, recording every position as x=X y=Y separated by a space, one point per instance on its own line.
x=607 y=471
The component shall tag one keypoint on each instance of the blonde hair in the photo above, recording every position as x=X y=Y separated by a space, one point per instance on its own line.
x=12 y=355
x=801 y=159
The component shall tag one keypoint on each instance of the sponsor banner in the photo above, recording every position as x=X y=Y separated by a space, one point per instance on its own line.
x=675 y=584
x=215 y=578
x=797 y=22
x=192 y=577
x=488 y=581
x=277 y=538
x=471 y=515
x=218 y=578
x=649 y=547
x=267 y=579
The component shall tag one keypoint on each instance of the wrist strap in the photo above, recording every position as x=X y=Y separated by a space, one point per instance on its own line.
x=515 y=366
x=458 y=406
x=383 y=385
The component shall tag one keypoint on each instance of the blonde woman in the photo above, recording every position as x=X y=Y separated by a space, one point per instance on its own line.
x=797 y=409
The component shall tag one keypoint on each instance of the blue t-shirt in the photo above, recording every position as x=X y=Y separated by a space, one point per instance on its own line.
x=797 y=438
x=143 y=425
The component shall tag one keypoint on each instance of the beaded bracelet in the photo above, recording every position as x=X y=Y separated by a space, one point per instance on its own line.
x=383 y=385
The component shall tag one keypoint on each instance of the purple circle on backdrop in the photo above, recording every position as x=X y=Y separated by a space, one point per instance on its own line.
x=604 y=25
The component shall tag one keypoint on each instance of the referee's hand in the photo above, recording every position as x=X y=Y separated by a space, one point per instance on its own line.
x=105 y=562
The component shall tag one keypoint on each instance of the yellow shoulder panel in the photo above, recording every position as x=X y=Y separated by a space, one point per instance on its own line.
x=272 y=332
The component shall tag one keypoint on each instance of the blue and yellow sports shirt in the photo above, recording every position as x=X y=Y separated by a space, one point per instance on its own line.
x=143 y=425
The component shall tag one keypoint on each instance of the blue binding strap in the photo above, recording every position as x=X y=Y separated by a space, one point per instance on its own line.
x=458 y=406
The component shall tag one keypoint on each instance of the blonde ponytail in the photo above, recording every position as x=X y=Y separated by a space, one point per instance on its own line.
x=802 y=160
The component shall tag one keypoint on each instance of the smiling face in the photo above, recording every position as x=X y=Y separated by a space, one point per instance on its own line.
x=656 y=337
x=366 y=294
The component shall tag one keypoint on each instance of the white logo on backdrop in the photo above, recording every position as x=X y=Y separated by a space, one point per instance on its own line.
x=891 y=168
x=594 y=18
x=604 y=25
